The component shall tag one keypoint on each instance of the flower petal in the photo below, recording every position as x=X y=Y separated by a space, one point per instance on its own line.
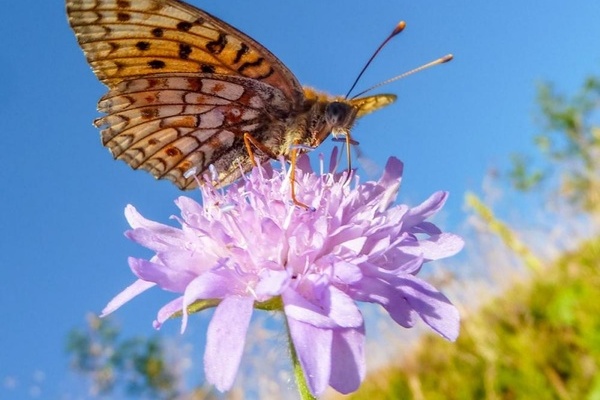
x=426 y=209
x=210 y=285
x=150 y=234
x=136 y=220
x=165 y=277
x=129 y=293
x=375 y=290
x=272 y=283
x=313 y=347
x=346 y=273
x=167 y=312
x=392 y=172
x=348 y=367
x=432 y=306
x=250 y=243
x=436 y=247
x=335 y=310
x=225 y=341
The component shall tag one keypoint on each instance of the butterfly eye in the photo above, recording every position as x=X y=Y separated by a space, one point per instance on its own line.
x=337 y=113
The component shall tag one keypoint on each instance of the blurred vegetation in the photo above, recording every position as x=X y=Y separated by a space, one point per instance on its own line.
x=569 y=144
x=117 y=367
x=539 y=340
x=134 y=366
x=504 y=232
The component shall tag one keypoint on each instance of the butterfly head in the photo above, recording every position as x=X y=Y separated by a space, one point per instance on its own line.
x=328 y=115
x=334 y=118
x=339 y=118
x=333 y=115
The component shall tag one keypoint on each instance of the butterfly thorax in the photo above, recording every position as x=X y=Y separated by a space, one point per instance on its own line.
x=320 y=116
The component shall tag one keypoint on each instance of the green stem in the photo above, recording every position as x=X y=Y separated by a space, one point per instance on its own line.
x=305 y=393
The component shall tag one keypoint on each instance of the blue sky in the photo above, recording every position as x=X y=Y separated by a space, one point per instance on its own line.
x=62 y=252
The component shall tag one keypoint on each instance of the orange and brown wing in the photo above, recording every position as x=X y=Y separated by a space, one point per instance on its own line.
x=168 y=124
x=124 y=39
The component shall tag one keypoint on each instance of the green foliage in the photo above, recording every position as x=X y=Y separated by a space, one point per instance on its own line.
x=520 y=175
x=540 y=340
x=570 y=143
x=137 y=366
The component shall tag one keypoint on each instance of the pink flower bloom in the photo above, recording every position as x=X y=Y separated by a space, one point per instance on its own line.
x=250 y=246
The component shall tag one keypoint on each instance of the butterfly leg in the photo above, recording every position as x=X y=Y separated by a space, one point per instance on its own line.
x=250 y=141
x=293 y=158
x=348 y=141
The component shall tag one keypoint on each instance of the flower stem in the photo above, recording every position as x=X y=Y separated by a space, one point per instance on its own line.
x=305 y=393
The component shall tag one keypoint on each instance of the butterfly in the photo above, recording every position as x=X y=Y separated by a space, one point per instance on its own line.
x=187 y=91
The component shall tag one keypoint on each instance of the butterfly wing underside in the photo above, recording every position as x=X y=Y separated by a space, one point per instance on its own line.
x=184 y=85
x=169 y=124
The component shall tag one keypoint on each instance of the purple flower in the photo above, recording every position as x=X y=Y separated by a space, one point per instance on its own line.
x=250 y=247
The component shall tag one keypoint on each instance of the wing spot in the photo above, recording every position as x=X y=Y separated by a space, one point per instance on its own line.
x=217 y=88
x=152 y=82
x=253 y=64
x=194 y=84
x=141 y=45
x=156 y=64
x=207 y=68
x=234 y=115
x=157 y=32
x=123 y=4
x=150 y=113
x=173 y=152
x=184 y=51
x=123 y=17
x=215 y=142
x=118 y=65
x=217 y=46
x=184 y=26
x=240 y=53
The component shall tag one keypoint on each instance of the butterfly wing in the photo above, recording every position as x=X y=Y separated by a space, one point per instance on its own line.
x=169 y=124
x=368 y=104
x=132 y=38
x=185 y=87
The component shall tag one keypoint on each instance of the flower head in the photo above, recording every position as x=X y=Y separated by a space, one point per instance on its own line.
x=250 y=247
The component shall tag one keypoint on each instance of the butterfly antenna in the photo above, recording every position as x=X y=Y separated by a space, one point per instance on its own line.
x=399 y=28
x=439 y=61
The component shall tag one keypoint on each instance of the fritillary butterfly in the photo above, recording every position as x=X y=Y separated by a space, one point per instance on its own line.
x=187 y=90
